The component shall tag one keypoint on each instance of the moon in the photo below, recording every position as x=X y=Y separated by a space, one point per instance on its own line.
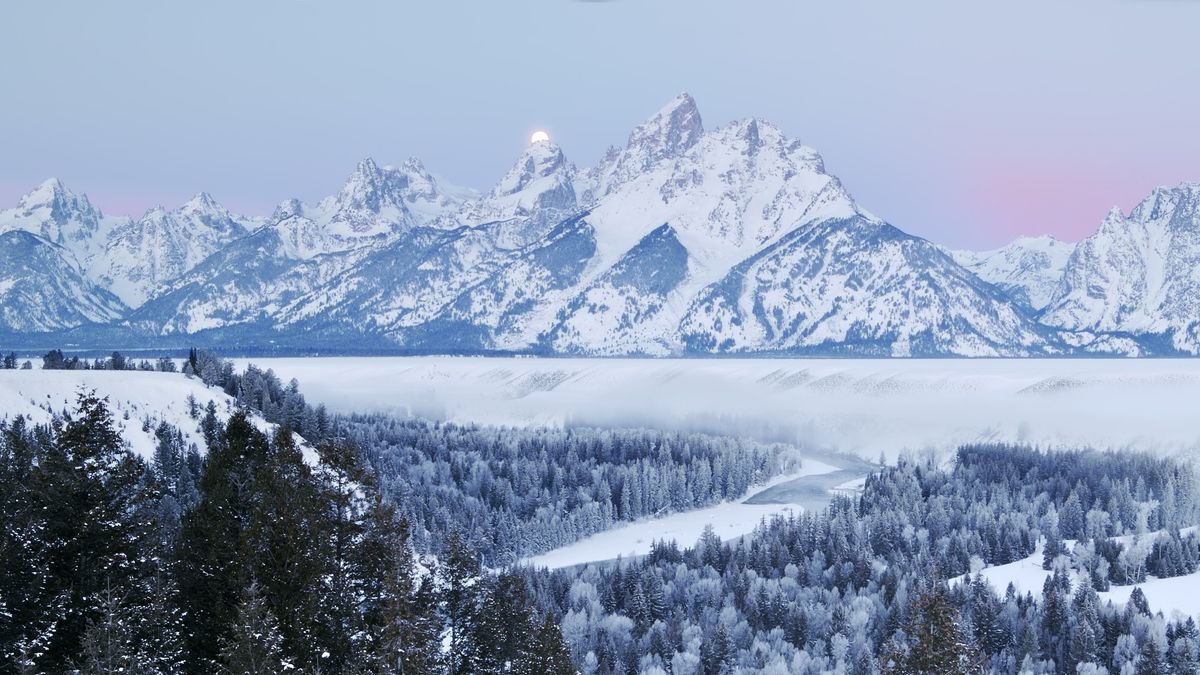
x=539 y=137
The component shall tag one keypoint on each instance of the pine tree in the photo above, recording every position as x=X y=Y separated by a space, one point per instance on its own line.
x=1150 y=661
x=284 y=540
x=212 y=553
x=88 y=492
x=1183 y=655
x=109 y=645
x=398 y=610
x=504 y=629
x=459 y=574
x=254 y=644
x=717 y=653
x=25 y=611
x=549 y=655
x=343 y=485
x=1052 y=548
x=936 y=643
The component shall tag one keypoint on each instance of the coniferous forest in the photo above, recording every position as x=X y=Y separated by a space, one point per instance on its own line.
x=375 y=544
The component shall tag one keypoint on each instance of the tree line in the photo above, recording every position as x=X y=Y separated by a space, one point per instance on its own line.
x=248 y=559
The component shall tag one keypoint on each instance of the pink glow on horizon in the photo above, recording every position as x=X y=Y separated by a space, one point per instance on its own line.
x=1002 y=200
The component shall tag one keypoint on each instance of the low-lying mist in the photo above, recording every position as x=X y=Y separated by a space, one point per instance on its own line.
x=865 y=407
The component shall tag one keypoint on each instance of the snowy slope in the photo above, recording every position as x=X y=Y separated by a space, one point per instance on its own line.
x=1027 y=269
x=1139 y=273
x=137 y=400
x=860 y=285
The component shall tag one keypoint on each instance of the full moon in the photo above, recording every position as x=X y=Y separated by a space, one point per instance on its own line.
x=539 y=137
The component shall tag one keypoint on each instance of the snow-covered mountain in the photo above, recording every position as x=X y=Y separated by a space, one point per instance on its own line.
x=685 y=240
x=1028 y=269
x=129 y=258
x=61 y=217
x=663 y=227
x=1138 y=274
x=376 y=205
x=301 y=248
x=42 y=288
x=141 y=255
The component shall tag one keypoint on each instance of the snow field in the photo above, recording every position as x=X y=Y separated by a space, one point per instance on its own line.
x=1172 y=596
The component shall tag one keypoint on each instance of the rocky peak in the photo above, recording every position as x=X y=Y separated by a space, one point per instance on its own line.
x=288 y=208
x=1180 y=204
x=203 y=203
x=57 y=202
x=670 y=132
x=667 y=135
x=539 y=161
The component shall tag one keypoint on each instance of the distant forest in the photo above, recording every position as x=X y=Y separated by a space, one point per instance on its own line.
x=398 y=550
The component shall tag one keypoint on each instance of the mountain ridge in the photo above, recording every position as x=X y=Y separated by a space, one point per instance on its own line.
x=686 y=240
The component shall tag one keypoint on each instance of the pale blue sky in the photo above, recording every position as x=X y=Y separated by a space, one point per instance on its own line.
x=966 y=122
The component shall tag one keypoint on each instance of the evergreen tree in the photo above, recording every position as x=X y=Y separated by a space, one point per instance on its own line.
x=505 y=630
x=212 y=551
x=90 y=497
x=398 y=610
x=459 y=573
x=25 y=614
x=108 y=642
x=1151 y=661
x=254 y=644
x=549 y=654
x=935 y=642
x=717 y=653
x=342 y=483
x=285 y=549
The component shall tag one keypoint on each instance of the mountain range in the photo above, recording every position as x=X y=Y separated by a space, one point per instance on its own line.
x=684 y=241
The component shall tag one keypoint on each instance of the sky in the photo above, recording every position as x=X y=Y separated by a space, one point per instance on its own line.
x=969 y=123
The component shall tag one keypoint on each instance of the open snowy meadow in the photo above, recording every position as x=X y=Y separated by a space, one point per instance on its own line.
x=864 y=407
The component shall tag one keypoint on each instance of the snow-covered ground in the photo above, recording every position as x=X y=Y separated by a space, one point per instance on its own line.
x=134 y=397
x=1176 y=595
x=729 y=520
x=867 y=407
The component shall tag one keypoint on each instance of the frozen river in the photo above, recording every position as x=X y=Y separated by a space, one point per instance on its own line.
x=867 y=407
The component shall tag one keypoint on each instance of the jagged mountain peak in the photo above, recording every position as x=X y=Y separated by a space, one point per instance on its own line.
x=1136 y=273
x=676 y=127
x=1181 y=201
x=537 y=192
x=368 y=187
x=413 y=165
x=288 y=208
x=203 y=203
x=56 y=214
x=537 y=161
x=670 y=132
x=52 y=194
x=45 y=192
x=376 y=198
